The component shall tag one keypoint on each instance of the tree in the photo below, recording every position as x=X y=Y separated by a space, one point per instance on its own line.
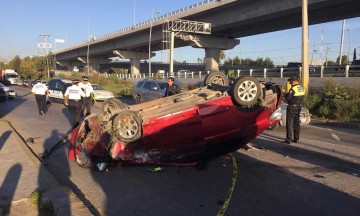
x=28 y=70
x=354 y=56
x=344 y=60
x=15 y=63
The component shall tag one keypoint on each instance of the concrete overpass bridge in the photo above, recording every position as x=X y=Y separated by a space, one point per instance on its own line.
x=229 y=19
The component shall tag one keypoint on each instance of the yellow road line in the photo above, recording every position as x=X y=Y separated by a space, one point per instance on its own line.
x=223 y=209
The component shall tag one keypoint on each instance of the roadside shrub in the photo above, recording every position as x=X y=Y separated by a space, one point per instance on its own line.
x=334 y=102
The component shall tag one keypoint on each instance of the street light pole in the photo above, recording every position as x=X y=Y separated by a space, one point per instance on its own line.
x=348 y=29
x=88 y=49
x=152 y=17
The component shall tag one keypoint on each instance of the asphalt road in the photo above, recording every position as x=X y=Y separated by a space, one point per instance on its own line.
x=318 y=176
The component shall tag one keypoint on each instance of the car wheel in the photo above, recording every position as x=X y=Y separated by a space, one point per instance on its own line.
x=110 y=106
x=246 y=91
x=217 y=78
x=127 y=126
x=11 y=98
x=273 y=126
x=138 y=99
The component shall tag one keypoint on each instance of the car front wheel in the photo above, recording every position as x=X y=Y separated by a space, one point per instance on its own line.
x=127 y=126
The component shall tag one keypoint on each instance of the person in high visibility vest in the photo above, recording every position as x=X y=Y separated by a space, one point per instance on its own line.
x=294 y=99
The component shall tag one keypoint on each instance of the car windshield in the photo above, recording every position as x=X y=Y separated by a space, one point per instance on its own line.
x=162 y=85
x=97 y=87
x=2 y=85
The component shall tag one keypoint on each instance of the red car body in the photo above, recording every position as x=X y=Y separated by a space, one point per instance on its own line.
x=192 y=126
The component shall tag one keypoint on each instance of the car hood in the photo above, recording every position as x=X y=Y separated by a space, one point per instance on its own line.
x=8 y=89
x=102 y=92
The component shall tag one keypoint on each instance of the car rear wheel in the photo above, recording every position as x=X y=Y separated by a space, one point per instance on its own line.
x=246 y=91
x=127 y=126
x=217 y=78
x=110 y=106
x=273 y=126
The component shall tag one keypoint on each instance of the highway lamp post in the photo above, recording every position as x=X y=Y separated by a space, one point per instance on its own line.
x=348 y=29
x=152 y=18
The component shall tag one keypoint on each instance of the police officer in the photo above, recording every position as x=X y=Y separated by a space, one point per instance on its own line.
x=88 y=90
x=294 y=99
x=72 y=99
x=171 y=87
x=40 y=91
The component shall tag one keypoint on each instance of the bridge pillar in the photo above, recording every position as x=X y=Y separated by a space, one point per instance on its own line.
x=212 y=45
x=134 y=57
x=212 y=56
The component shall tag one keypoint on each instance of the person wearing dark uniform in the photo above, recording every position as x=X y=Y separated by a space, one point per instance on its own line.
x=73 y=101
x=88 y=90
x=40 y=91
x=171 y=87
x=294 y=99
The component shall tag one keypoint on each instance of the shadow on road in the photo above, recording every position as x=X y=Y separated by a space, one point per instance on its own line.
x=8 y=187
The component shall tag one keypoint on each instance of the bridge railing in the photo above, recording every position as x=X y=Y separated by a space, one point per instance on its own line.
x=346 y=71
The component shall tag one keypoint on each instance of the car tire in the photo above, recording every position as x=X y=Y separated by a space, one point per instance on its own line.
x=110 y=107
x=245 y=91
x=127 y=126
x=138 y=99
x=11 y=98
x=217 y=78
x=273 y=126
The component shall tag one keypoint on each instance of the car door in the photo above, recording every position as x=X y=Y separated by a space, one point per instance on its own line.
x=146 y=91
x=154 y=92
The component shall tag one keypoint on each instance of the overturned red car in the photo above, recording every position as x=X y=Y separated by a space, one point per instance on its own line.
x=189 y=127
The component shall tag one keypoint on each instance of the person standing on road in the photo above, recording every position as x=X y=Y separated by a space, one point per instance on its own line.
x=40 y=91
x=171 y=87
x=88 y=90
x=73 y=101
x=294 y=99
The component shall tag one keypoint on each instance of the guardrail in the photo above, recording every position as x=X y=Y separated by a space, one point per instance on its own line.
x=346 y=71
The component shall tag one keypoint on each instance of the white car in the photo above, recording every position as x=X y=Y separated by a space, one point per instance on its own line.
x=305 y=117
x=10 y=92
x=100 y=93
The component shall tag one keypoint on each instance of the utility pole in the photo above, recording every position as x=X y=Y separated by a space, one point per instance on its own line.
x=321 y=47
x=305 y=45
x=46 y=45
x=342 y=41
x=327 y=50
x=88 y=49
x=312 y=55
x=348 y=29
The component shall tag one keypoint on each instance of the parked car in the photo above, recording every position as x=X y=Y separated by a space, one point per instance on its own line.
x=57 y=88
x=147 y=90
x=26 y=83
x=100 y=93
x=10 y=92
x=190 y=127
x=2 y=94
x=305 y=117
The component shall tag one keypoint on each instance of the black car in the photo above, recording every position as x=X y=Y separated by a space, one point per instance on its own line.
x=57 y=88
x=2 y=95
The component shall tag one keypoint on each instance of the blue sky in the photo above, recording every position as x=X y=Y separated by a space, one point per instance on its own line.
x=22 y=21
